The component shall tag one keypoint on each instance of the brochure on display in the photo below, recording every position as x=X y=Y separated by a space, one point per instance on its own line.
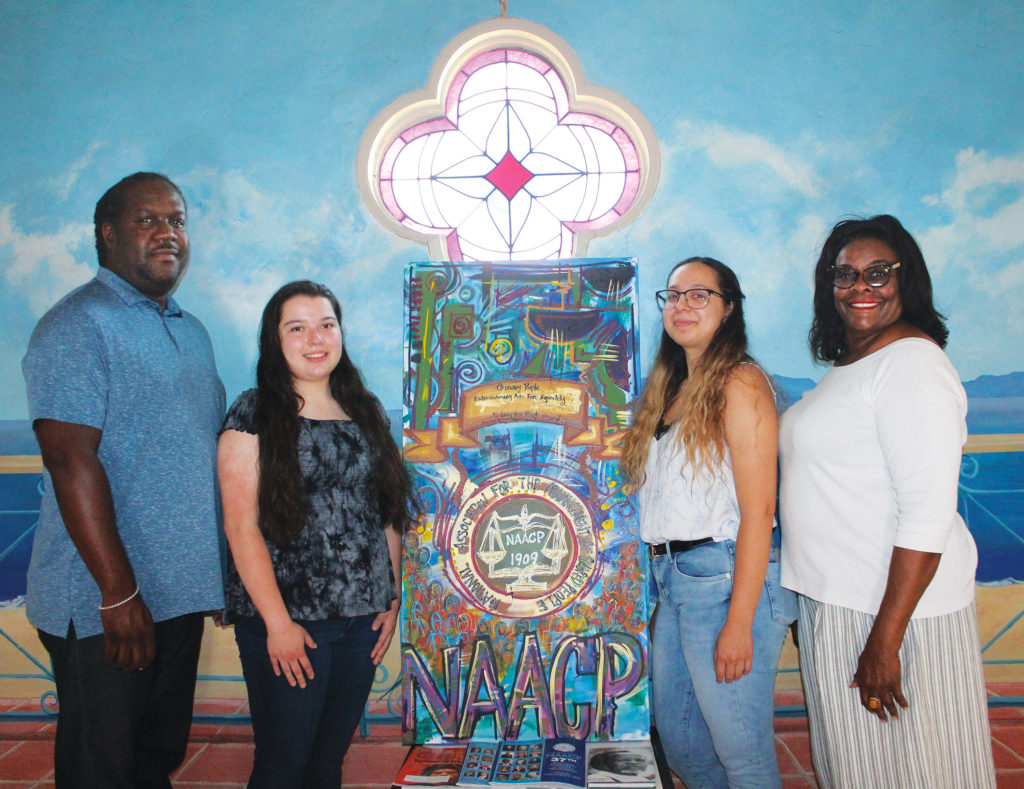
x=561 y=763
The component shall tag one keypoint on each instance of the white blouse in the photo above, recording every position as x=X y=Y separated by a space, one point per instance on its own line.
x=679 y=503
x=871 y=461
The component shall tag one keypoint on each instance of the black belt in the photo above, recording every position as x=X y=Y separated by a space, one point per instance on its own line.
x=675 y=546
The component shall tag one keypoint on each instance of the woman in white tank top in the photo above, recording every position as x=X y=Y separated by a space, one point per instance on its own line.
x=703 y=453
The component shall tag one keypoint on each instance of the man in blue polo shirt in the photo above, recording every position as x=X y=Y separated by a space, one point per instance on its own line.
x=126 y=403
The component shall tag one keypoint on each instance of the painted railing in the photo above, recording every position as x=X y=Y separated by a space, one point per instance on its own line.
x=385 y=698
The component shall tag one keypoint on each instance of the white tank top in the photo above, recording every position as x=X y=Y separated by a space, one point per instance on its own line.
x=680 y=502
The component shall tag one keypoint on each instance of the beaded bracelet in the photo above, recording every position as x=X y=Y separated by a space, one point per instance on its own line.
x=130 y=597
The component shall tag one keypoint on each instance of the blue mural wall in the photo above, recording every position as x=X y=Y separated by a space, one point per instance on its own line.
x=774 y=120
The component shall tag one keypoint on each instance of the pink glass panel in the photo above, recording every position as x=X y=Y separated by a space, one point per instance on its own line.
x=509 y=176
x=628 y=149
x=486 y=59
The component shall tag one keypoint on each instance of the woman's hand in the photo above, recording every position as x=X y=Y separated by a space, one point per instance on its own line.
x=238 y=470
x=879 y=672
x=734 y=652
x=385 y=623
x=752 y=436
x=879 y=678
x=286 y=645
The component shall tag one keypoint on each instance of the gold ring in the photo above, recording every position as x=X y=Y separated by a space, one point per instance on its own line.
x=874 y=702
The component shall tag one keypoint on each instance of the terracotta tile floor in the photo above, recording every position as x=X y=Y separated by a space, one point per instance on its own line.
x=219 y=756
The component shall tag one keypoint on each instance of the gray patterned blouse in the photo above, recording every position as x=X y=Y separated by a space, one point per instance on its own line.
x=339 y=565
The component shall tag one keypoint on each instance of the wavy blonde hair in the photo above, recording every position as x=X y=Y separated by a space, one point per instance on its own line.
x=702 y=423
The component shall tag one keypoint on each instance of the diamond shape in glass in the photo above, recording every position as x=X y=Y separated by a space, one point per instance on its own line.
x=509 y=176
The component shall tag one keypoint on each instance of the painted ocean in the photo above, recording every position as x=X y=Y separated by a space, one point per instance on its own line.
x=991 y=485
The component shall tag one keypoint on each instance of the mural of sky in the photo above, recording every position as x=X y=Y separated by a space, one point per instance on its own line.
x=774 y=120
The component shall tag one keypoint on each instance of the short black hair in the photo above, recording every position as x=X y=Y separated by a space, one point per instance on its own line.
x=828 y=334
x=111 y=205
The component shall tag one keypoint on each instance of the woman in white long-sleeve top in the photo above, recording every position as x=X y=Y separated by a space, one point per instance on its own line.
x=884 y=565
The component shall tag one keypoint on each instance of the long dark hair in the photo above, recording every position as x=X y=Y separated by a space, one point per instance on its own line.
x=280 y=496
x=702 y=424
x=828 y=334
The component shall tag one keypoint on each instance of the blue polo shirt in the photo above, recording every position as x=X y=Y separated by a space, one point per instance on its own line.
x=107 y=357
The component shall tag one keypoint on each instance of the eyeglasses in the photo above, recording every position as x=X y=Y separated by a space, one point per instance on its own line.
x=845 y=277
x=694 y=298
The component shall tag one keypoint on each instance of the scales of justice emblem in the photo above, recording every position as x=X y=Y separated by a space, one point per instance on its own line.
x=523 y=546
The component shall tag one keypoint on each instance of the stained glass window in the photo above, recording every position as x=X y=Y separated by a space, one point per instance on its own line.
x=512 y=168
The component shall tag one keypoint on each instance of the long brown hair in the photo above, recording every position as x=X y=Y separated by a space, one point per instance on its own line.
x=702 y=424
x=280 y=495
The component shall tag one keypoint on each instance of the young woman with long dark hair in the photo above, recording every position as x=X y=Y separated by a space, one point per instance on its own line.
x=315 y=497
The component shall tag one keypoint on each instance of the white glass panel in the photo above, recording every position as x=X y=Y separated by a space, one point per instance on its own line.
x=496 y=98
x=586 y=143
x=492 y=77
x=520 y=96
x=544 y=185
x=609 y=190
x=545 y=164
x=472 y=166
x=586 y=209
x=472 y=187
x=426 y=155
x=454 y=154
x=407 y=162
x=541 y=238
x=499 y=210
x=563 y=144
x=538 y=121
x=609 y=155
x=566 y=201
x=407 y=195
x=519 y=143
x=477 y=125
x=519 y=211
x=539 y=229
x=497 y=137
x=479 y=229
x=455 y=206
x=524 y=78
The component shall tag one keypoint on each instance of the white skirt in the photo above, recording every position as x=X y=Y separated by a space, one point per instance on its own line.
x=941 y=741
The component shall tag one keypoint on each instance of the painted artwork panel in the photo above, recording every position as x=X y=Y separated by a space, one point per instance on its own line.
x=525 y=603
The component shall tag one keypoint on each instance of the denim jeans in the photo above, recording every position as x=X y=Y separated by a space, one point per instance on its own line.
x=123 y=729
x=715 y=734
x=302 y=734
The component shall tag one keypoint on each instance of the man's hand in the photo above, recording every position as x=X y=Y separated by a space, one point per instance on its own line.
x=129 y=643
x=86 y=505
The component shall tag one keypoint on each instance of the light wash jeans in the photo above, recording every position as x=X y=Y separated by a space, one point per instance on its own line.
x=715 y=734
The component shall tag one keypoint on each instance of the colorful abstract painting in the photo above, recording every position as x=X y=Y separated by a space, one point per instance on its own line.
x=525 y=604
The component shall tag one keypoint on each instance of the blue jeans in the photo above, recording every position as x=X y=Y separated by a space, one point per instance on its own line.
x=302 y=734
x=715 y=734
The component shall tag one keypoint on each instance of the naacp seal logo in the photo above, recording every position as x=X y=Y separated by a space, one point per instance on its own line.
x=523 y=546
